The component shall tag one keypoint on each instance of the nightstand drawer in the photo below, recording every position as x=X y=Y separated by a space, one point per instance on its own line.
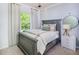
x=69 y=42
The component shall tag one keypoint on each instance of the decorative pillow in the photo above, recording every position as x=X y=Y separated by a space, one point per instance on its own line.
x=46 y=27
x=52 y=27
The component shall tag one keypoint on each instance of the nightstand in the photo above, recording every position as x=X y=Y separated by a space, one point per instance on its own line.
x=69 y=42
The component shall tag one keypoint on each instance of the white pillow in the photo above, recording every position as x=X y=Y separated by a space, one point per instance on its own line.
x=52 y=27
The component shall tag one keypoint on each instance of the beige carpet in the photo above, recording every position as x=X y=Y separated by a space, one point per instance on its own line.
x=57 y=50
x=11 y=51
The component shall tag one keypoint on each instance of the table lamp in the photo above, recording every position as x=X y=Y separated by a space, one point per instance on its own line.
x=66 y=28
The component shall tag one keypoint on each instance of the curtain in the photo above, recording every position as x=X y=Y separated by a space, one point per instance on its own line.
x=35 y=19
x=14 y=27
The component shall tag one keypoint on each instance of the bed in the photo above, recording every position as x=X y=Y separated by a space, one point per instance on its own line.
x=34 y=43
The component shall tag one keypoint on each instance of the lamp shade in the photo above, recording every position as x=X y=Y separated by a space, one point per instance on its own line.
x=66 y=26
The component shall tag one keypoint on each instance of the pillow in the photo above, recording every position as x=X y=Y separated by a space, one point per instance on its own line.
x=46 y=27
x=52 y=27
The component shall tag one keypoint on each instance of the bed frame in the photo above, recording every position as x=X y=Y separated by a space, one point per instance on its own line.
x=29 y=45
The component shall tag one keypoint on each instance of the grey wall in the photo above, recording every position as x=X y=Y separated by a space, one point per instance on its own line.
x=60 y=11
x=3 y=25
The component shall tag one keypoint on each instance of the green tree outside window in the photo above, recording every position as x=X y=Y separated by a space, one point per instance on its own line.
x=25 y=21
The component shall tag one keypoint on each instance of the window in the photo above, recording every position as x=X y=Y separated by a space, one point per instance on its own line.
x=25 y=21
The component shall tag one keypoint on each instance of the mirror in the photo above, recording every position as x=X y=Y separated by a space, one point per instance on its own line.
x=72 y=21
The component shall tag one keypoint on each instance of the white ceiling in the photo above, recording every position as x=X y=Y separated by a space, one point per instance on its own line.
x=43 y=5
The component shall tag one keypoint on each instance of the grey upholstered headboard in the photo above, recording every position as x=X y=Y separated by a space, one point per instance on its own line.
x=54 y=21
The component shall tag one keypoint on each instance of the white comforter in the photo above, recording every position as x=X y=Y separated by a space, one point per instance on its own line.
x=44 y=37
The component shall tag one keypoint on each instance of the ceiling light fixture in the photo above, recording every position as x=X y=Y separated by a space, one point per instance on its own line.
x=39 y=5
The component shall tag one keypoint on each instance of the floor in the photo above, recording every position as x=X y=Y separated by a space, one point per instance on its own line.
x=57 y=50
x=11 y=51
